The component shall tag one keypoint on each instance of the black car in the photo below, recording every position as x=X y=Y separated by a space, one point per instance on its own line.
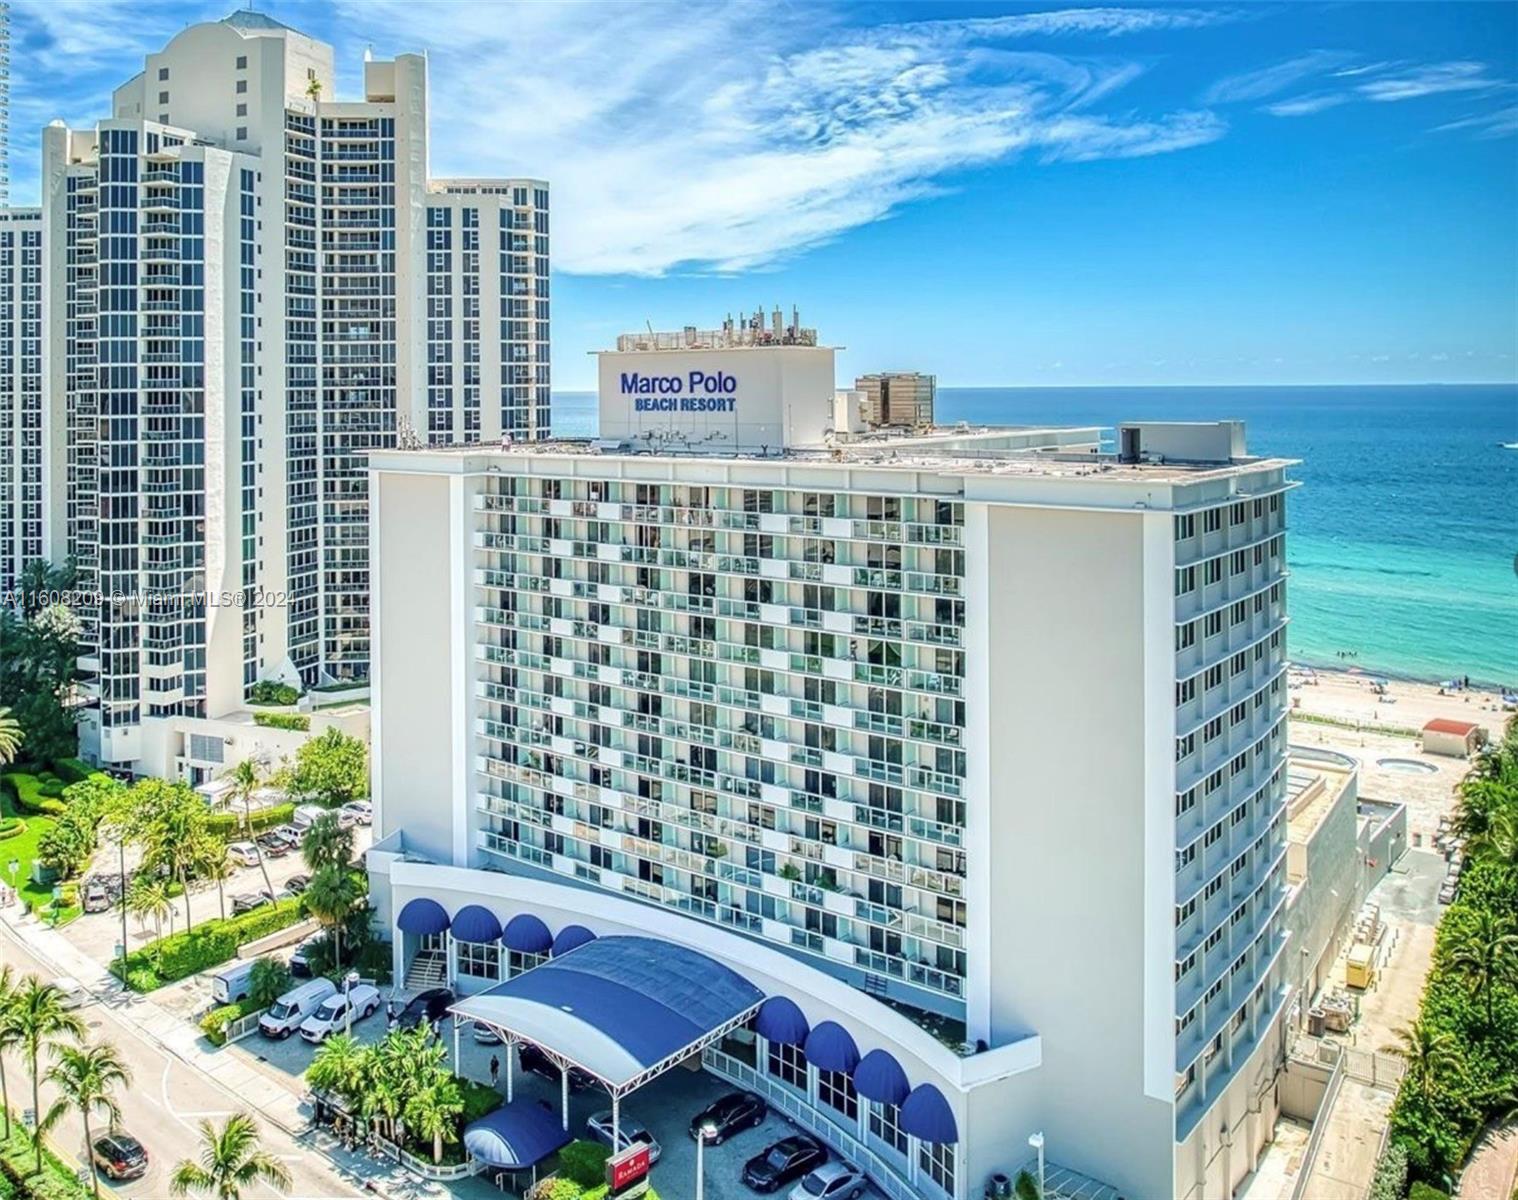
x=120 y=1156
x=248 y=901
x=296 y=884
x=734 y=1112
x=535 y=1061
x=272 y=845
x=788 y=1159
x=431 y=1005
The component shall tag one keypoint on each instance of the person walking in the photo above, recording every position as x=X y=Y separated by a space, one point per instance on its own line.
x=495 y=1070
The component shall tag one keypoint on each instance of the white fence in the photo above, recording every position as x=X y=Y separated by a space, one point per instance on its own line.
x=243 y=1026
x=426 y=1168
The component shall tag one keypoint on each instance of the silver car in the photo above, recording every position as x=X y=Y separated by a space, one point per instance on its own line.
x=630 y=1131
x=831 y=1181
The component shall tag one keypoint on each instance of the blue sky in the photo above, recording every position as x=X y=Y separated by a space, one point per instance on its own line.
x=1002 y=194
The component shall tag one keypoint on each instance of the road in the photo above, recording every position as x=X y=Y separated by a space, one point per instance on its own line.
x=164 y=1105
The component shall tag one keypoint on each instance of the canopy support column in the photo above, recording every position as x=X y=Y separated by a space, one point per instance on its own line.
x=616 y=1121
x=564 y=1095
x=511 y=1058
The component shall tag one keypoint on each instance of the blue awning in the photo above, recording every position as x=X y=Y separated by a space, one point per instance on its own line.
x=526 y=934
x=879 y=1077
x=423 y=916
x=569 y=938
x=782 y=1022
x=926 y=1115
x=618 y=1006
x=515 y=1136
x=475 y=923
x=830 y=1047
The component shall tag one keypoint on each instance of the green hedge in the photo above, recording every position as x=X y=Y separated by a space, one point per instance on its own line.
x=18 y=1157
x=1425 y=1191
x=36 y=793
x=269 y=691
x=208 y=945
x=299 y=722
x=231 y=822
x=214 y=1023
x=74 y=770
x=11 y=827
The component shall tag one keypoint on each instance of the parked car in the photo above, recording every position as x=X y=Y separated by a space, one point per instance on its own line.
x=630 y=1131
x=345 y=819
x=537 y=1063
x=297 y=883
x=290 y=834
x=362 y=810
x=95 y=897
x=243 y=854
x=232 y=982
x=829 y=1182
x=300 y=960
x=789 y=1158
x=71 y=992
x=728 y=1115
x=285 y=1015
x=306 y=815
x=431 y=1005
x=331 y=1016
x=272 y=845
x=119 y=1156
x=248 y=901
x=484 y=1035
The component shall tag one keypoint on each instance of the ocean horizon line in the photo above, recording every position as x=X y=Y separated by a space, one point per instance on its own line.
x=1169 y=387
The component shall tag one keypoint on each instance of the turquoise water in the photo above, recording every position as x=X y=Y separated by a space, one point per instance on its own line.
x=1403 y=536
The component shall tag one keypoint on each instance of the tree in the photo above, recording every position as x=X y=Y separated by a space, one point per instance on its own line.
x=432 y=1113
x=40 y=663
x=268 y=981
x=67 y=844
x=1485 y=955
x=86 y=1080
x=330 y=897
x=1498 y=843
x=11 y=737
x=332 y=769
x=339 y=1066
x=230 y=1160
x=327 y=844
x=41 y=1020
x=247 y=777
x=148 y=899
x=1431 y=1056
x=172 y=829
x=10 y=1036
x=212 y=864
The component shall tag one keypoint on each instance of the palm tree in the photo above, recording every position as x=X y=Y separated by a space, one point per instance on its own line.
x=41 y=1020
x=11 y=737
x=339 y=1066
x=327 y=844
x=9 y=1036
x=86 y=1079
x=1499 y=841
x=329 y=897
x=1486 y=955
x=148 y=899
x=212 y=864
x=230 y=1160
x=432 y=1114
x=247 y=777
x=1430 y=1054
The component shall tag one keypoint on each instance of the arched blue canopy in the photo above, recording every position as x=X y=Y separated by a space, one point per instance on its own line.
x=830 y=1047
x=475 y=923
x=515 y=1136
x=422 y=916
x=571 y=937
x=526 y=934
x=926 y=1115
x=781 y=1021
x=879 y=1077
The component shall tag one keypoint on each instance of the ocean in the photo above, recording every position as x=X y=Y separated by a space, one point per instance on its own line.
x=1403 y=538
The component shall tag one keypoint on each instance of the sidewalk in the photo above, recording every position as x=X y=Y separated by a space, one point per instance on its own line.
x=227 y=1066
x=1493 y=1166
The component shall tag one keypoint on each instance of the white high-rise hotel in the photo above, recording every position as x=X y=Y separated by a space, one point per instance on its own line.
x=969 y=745
x=248 y=285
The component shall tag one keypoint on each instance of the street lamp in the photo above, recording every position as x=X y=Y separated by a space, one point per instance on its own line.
x=348 y=981
x=702 y=1134
x=1036 y=1140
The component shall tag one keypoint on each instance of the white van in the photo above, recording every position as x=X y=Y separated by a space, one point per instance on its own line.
x=232 y=982
x=285 y=1015
x=306 y=815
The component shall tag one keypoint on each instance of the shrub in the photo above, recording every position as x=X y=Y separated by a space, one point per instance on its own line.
x=280 y=720
x=231 y=821
x=1025 y=1186
x=1425 y=1191
x=271 y=691
x=31 y=795
x=557 y=1188
x=478 y=1100
x=214 y=1023
x=1390 y=1178
x=12 y=827
x=584 y=1162
x=74 y=770
x=209 y=944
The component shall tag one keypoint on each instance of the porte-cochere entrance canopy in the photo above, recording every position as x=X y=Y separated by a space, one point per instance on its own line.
x=623 y=1009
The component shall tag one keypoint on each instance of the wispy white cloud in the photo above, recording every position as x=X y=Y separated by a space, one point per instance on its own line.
x=1502 y=123
x=1431 y=80
x=1303 y=106
x=733 y=137
x=1276 y=78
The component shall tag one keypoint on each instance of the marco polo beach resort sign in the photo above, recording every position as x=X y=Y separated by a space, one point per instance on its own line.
x=697 y=392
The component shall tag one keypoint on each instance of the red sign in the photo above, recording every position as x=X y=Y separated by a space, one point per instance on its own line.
x=627 y=1172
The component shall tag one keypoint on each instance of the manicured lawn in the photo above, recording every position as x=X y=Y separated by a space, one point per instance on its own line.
x=23 y=848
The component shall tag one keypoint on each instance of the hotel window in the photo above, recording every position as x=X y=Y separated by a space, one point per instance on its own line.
x=1212 y=571
x=788 y=1064
x=1185 y=802
x=1185 y=857
x=524 y=962
x=163 y=97
x=242 y=87
x=1212 y=520
x=1182 y=1082
x=1183 y=912
x=836 y=1090
x=1185 y=580
x=163 y=73
x=937 y=1161
x=1185 y=691
x=1185 y=635
x=481 y=960
x=242 y=62
x=885 y=1124
x=1236 y=514
x=1185 y=527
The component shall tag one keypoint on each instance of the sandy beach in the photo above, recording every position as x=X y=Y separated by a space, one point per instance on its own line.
x=1352 y=695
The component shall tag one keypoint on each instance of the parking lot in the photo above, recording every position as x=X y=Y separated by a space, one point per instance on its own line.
x=665 y=1106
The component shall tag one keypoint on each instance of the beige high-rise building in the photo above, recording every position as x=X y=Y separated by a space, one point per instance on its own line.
x=898 y=399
